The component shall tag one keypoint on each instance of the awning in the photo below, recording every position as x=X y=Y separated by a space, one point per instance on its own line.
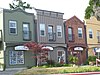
x=50 y=48
x=98 y=50
x=21 y=48
x=78 y=48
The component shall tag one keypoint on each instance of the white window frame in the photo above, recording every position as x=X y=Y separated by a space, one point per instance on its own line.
x=14 y=26
x=60 y=56
x=42 y=27
x=14 y=57
x=90 y=32
x=80 y=29
x=59 y=29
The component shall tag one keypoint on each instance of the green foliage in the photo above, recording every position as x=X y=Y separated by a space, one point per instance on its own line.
x=20 y=4
x=88 y=12
x=72 y=59
x=92 y=58
x=89 y=9
x=62 y=70
x=86 y=62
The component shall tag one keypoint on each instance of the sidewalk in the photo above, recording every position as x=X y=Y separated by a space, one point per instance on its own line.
x=12 y=71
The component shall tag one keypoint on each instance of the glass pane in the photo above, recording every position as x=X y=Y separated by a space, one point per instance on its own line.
x=50 y=29
x=20 y=57
x=42 y=29
x=61 y=56
x=90 y=35
x=42 y=32
x=16 y=57
x=26 y=33
x=79 y=32
x=25 y=27
x=12 y=57
x=50 y=32
x=12 y=30
x=69 y=33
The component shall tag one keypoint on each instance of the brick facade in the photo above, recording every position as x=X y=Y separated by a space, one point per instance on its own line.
x=74 y=23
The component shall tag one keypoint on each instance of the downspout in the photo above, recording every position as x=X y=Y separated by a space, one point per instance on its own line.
x=86 y=41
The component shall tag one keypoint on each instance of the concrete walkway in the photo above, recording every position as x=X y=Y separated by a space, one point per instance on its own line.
x=12 y=71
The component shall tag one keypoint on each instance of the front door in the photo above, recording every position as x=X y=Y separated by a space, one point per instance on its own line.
x=61 y=56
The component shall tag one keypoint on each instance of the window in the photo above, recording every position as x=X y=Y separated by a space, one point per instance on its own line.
x=80 y=32
x=61 y=55
x=12 y=27
x=50 y=32
x=90 y=33
x=70 y=34
x=26 y=31
x=42 y=29
x=16 y=57
x=59 y=31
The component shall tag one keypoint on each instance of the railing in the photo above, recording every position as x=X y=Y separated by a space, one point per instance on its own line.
x=98 y=37
x=71 y=37
x=27 y=35
x=52 y=36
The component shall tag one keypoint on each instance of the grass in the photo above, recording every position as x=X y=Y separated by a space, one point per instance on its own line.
x=58 y=70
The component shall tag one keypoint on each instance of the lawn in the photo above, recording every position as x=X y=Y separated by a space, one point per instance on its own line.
x=58 y=70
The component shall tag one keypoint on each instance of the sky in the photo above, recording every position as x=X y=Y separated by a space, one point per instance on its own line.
x=68 y=7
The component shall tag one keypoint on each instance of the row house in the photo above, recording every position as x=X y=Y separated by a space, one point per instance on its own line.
x=16 y=28
x=50 y=32
x=76 y=39
x=93 y=35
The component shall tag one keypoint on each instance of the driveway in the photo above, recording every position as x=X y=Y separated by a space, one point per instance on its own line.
x=10 y=71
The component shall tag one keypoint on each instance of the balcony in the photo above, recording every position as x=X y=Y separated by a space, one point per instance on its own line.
x=27 y=35
x=0 y=35
x=98 y=37
x=52 y=36
x=71 y=37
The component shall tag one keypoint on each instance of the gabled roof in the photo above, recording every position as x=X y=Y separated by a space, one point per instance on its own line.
x=75 y=18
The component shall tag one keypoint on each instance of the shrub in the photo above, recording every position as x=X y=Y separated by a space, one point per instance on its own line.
x=92 y=58
x=86 y=62
x=67 y=65
x=50 y=62
x=73 y=59
x=58 y=65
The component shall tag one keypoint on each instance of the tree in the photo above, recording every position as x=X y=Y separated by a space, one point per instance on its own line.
x=19 y=4
x=93 y=4
x=39 y=51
